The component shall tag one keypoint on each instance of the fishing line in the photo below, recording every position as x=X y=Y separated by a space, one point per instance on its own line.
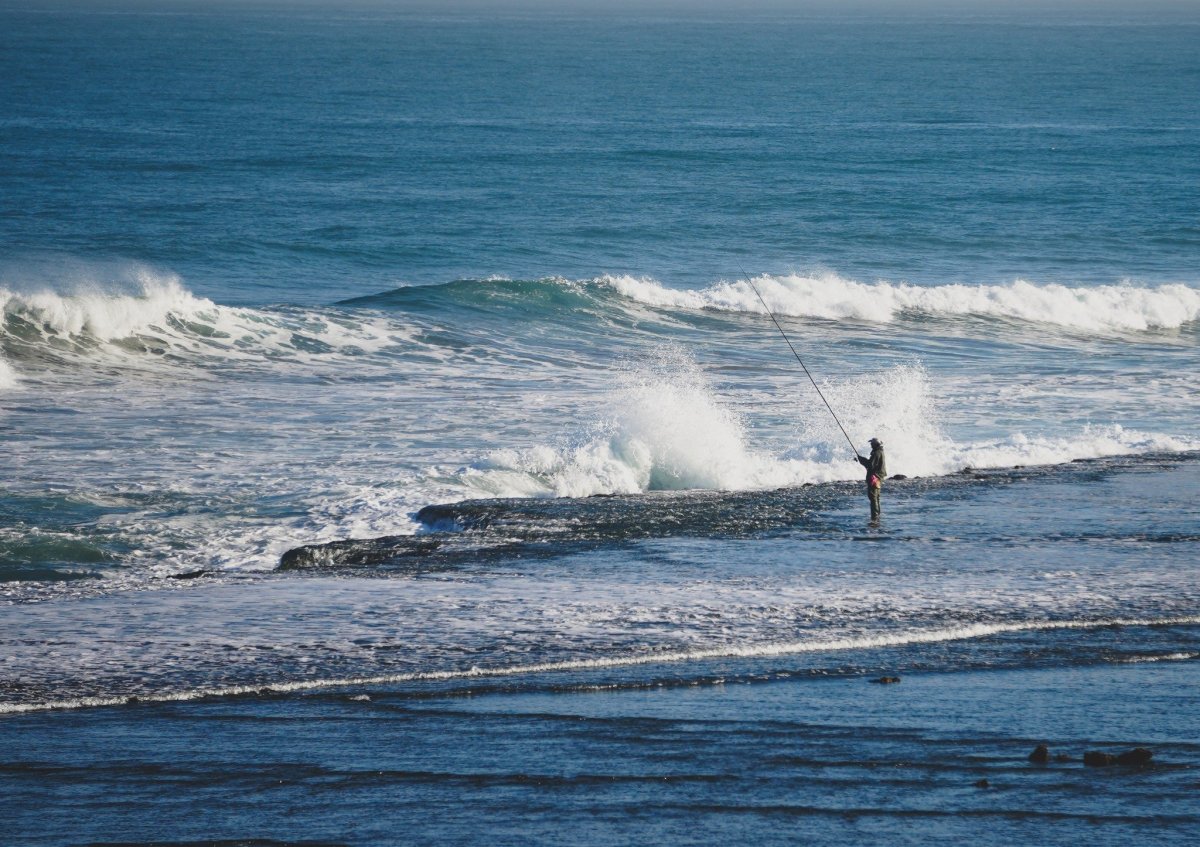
x=746 y=276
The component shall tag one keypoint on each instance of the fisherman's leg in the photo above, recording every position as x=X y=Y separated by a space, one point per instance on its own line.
x=875 y=504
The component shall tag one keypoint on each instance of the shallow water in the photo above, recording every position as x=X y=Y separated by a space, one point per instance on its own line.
x=1029 y=557
x=821 y=759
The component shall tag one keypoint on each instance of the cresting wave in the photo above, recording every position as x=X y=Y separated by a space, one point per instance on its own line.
x=1105 y=308
x=147 y=312
x=1097 y=309
x=751 y=651
x=141 y=311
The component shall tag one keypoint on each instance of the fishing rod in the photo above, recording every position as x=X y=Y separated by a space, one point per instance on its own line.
x=754 y=287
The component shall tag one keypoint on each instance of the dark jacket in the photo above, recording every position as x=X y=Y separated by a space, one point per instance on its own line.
x=875 y=465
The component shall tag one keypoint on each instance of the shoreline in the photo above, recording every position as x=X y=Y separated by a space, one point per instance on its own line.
x=822 y=759
x=667 y=659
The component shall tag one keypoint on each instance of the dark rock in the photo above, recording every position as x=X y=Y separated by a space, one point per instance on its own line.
x=188 y=575
x=1040 y=755
x=1096 y=759
x=967 y=470
x=980 y=476
x=897 y=476
x=1138 y=757
x=886 y=680
x=983 y=783
x=363 y=553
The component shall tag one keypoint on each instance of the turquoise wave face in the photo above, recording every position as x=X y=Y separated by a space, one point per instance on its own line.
x=1035 y=308
x=58 y=537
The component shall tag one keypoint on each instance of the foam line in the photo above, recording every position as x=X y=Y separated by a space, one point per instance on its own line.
x=759 y=651
x=1103 y=308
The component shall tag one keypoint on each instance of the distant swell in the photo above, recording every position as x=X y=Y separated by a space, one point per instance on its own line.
x=733 y=651
x=1099 y=308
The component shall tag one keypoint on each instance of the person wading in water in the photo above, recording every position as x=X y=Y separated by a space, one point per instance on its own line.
x=876 y=471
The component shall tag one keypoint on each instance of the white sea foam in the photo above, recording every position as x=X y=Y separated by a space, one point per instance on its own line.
x=738 y=651
x=105 y=316
x=661 y=428
x=156 y=312
x=829 y=296
x=8 y=377
x=1169 y=657
x=1090 y=442
x=664 y=427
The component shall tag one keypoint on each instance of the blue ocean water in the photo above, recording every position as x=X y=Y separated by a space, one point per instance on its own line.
x=283 y=155
x=276 y=279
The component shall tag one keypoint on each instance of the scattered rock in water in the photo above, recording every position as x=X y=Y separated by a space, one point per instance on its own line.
x=967 y=470
x=983 y=783
x=897 y=476
x=1096 y=759
x=980 y=476
x=1138 y=757
x=886 y=680
x=188 y=574
x=1040 y=755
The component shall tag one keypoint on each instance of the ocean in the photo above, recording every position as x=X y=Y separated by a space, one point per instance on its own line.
x=397 y=447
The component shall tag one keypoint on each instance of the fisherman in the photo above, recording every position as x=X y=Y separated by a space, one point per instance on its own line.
x=876 y=471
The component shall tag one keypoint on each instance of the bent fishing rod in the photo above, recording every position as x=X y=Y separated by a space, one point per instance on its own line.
x=771 y=314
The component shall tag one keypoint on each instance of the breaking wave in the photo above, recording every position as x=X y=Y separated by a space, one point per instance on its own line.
x=140 y=316
x=663 y=427
x=153 y=313
x=1103 y=308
